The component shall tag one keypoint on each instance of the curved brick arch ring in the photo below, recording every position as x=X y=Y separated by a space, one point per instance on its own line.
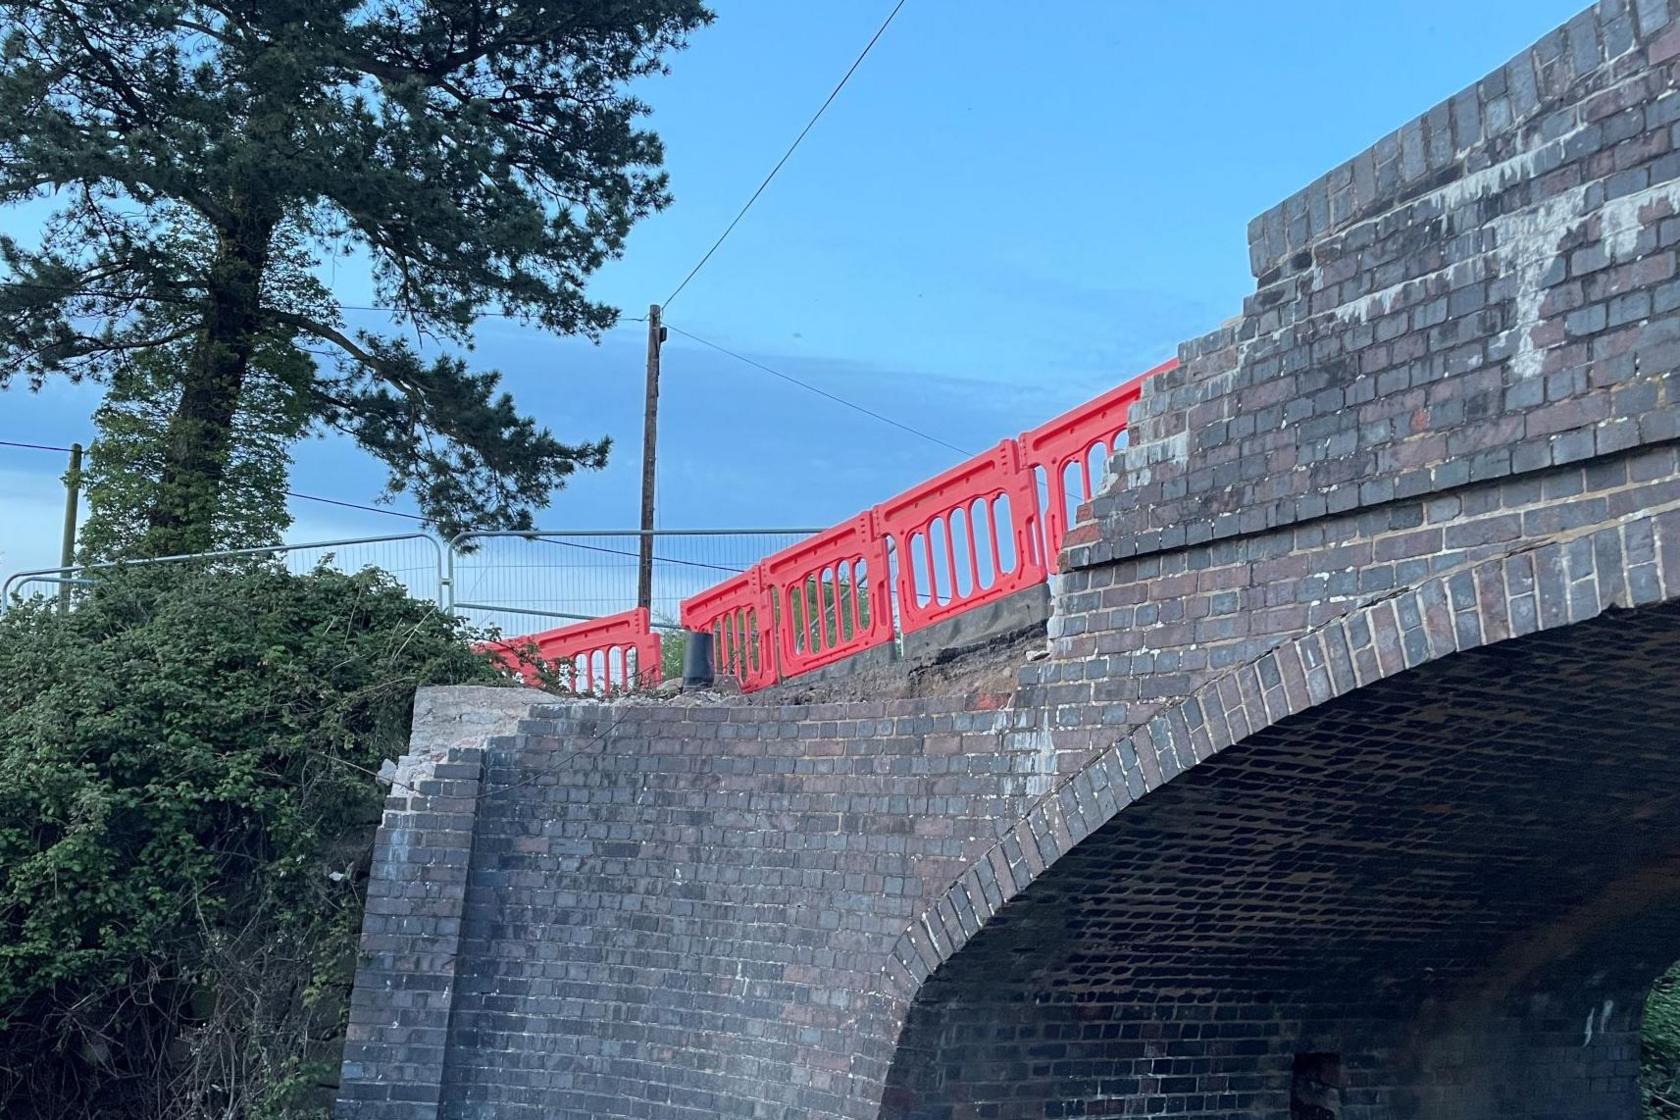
x=1548 y=585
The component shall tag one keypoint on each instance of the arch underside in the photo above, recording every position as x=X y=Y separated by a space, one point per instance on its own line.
x=1443 y=894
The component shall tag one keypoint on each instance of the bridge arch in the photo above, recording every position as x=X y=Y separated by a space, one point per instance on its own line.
x=1432 y=849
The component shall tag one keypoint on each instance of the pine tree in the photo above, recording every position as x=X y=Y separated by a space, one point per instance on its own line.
x=206 y=156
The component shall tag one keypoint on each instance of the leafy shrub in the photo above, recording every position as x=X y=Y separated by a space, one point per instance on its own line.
x=1659 y=1058
x=187 y=804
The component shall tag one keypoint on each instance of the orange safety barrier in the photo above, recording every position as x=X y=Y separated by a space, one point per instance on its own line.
x=965 y=538
x=1056 y=446
x=971 y=536
x=737 y=614
x=612 y=654
x=829 y=596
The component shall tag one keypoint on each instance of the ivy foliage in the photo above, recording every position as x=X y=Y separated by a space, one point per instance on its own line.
x=187 y=807
x=1659 y=1051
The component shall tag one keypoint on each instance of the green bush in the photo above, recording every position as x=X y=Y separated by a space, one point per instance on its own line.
x=1659 y=1065
x=187 y=804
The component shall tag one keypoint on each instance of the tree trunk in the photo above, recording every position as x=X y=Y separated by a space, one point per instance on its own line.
x=197 y=442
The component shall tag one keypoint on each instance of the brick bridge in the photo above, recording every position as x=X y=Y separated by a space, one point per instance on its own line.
x=1349 y=788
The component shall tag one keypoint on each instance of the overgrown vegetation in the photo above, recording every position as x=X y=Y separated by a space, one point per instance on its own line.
x=187 y=804
x=1659 y=1056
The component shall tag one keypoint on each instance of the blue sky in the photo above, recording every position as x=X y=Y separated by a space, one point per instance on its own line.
x=1002 y=215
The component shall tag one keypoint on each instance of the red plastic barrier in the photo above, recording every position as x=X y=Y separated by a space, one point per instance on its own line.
x=612 y=654
x=965 y=538
x=737 y=614
x=1071 y=438
x=971 y=536
x=830 y=596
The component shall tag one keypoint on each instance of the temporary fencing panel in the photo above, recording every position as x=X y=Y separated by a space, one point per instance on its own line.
x=1057 y=446
x=737 y=614
x=965 y=538
x=829 y=596
x=612 y=654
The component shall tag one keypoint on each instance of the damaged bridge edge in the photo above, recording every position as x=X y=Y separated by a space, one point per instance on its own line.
x=416 y=892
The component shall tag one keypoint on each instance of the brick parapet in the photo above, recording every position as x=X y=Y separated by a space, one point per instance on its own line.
x=1506 y=306
x=1140 y=634
x=1467 y=132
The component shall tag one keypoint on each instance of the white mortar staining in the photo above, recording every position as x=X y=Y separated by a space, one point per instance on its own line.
x=1603 y=1014
x=1215 y=385
x=457 y=716
x=1527 y=242
x=1468 y=190
x=1531 y=236
x=1174 y=449
x=933 y=938
x=1623 y=223
x=1037 y=749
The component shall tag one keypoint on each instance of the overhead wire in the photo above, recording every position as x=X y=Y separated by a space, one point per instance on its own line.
x=742 y=213
x=32 y=446
x=289 y=493
x=150 y=297
x=417 y=517
x=797 y=140
x=819 y=392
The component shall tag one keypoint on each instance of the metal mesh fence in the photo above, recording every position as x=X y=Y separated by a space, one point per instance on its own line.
x=520 y=582
x=415 y=560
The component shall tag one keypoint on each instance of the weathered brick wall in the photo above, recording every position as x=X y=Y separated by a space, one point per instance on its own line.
x=1226 y=1057
x=721 y=883
x=1488 y=294
x=1487 y=291
x=1264 y=800
x=411 y=931
x=673 y=910
x=1137 y=636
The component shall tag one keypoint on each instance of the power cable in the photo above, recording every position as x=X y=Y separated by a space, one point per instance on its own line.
x=33 y=446
x=153 y=298
x=820 y=392
x=869 y=46
x=355 y=505
x=418 y=517
x=289 y=493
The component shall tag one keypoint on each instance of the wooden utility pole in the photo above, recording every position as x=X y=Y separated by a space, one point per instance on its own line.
x=650 y=446
x=67 y=550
